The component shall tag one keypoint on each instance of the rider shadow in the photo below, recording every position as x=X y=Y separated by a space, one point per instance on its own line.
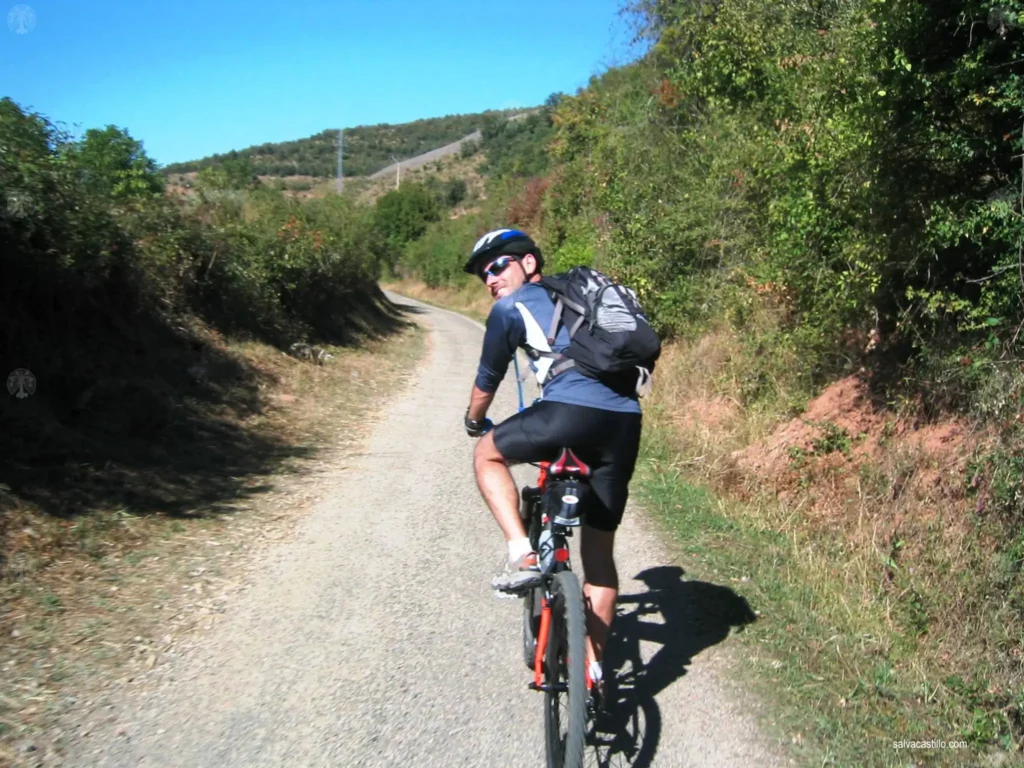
x=694 y=615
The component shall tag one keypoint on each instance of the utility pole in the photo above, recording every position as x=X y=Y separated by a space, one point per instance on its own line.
x=341 y=182
x=398 y=168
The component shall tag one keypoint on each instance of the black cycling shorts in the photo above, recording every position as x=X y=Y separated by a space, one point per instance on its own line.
x=608 y=441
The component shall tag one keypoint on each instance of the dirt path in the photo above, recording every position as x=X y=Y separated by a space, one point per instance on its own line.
x=369 y=637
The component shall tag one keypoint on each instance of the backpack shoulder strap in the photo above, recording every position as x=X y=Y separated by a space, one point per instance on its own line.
x=557 y=287
x=537 y=341
x=556 y=318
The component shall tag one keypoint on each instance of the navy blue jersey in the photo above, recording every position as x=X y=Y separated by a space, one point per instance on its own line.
x=507 y=330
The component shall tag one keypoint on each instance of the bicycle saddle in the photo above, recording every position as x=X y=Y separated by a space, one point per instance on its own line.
x=568 y=464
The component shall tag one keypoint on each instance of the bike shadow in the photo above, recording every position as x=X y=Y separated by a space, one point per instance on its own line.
x=686 y=618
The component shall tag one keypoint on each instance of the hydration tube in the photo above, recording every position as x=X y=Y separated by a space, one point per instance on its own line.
x=519 y=381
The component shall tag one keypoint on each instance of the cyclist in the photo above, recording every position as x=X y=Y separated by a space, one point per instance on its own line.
x=601 y=426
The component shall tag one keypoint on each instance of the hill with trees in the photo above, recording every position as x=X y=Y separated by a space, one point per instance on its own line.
x=367 y=148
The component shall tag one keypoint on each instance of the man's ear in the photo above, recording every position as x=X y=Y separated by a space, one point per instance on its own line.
x=529 y=260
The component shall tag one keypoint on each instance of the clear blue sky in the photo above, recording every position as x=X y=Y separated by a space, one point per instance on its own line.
x=190 y=79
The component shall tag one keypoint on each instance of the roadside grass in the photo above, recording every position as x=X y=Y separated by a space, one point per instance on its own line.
x=890 y=609
x=888 y=612
x=832 y=677
x=103 y=597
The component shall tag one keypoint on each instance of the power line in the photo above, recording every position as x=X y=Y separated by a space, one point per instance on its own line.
x=341 y=181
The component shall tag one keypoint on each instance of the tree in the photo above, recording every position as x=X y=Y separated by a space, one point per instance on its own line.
x=112 y=164
x=239 y=172
x=455 y=191
x=402 y=216
x=552 y=101
x=212 y=178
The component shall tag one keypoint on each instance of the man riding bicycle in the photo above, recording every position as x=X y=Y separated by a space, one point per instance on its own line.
x=600 y=425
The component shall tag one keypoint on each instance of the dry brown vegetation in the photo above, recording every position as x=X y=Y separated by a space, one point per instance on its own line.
x=873 y=519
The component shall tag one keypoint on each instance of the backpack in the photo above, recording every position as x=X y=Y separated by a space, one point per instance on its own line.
x=609 y=337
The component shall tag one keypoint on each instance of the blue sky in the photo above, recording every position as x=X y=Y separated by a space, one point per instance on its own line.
x=190 y=79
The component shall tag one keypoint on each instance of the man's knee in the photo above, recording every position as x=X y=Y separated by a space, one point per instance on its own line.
x=601 y=574
x=486 y=452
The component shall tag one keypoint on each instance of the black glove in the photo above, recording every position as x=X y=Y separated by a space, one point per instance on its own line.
x=477 y=428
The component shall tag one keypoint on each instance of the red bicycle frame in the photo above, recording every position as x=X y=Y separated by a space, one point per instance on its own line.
x=562 y=556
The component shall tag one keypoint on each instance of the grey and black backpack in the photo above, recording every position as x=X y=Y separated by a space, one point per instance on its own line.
x=610 y=339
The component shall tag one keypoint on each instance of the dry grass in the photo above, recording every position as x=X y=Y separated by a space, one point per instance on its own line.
x=882 y=581
x=698 y=397
x=97 y=600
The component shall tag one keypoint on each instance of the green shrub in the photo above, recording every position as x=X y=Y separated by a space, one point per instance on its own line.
x=402 y=215
x=438 y=256
x=86 y=232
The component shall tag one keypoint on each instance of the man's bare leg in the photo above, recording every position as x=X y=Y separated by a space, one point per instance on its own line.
x=601 y=584
x=600 y=587
x=498 y=488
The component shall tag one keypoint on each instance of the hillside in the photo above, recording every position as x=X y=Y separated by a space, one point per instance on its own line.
x=427 y=157
x=367 y=150
x=503 y=147
x=433 y=172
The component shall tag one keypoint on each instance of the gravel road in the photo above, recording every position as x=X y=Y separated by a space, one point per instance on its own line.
x=370 y=637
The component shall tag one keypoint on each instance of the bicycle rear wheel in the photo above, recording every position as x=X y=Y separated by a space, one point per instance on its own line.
x=565 y=700
x=531 y=624
x=530 y=514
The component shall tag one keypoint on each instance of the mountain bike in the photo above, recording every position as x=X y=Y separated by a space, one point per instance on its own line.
x=554 y=621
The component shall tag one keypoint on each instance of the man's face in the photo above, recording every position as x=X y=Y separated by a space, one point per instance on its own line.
x=506 y=274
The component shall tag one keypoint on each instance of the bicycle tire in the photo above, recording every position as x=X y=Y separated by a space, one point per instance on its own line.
x=531 y=624
x=530 y=514
x=532 y=522
x=565 y=665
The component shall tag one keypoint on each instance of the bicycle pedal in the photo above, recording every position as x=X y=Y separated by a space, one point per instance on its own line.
x=501 y=594
x=516 y=590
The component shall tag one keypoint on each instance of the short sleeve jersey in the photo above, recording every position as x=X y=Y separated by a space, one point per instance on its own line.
x=506 y=331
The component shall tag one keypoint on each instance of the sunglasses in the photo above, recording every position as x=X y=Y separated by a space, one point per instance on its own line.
x=499 y=265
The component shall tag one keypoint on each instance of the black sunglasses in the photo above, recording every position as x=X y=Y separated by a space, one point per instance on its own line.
x=499 y=265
